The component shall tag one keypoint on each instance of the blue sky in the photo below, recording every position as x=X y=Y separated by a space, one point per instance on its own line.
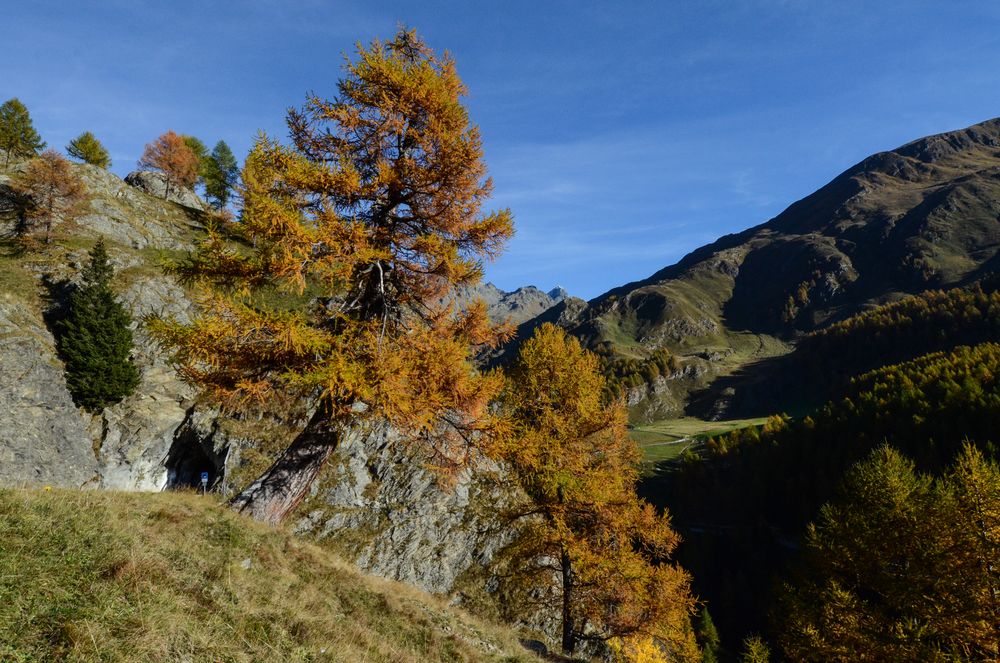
x=621 y=134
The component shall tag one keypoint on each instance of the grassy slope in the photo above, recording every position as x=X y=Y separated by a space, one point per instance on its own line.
x=101 y=576
x=667 y=439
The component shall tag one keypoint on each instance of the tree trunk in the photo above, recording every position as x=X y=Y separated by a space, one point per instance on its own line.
x=568 y=636
x=277 y=492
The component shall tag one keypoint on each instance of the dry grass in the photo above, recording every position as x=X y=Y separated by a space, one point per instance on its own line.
x=96 y=576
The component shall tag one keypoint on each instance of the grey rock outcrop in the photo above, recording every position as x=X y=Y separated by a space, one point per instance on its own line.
x=398 y=519
x=131 y=217
x=155 y=184
x=136 y=435
x=43 y=440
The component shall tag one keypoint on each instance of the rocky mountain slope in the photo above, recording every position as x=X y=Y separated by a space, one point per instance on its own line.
x=515 y=307
x=925 y=215
x=384 y=510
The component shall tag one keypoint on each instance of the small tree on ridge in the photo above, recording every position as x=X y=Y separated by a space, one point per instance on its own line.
x=172 y=157
x=88 y=149
x=18 y=138
x=221 y=175
x=51 y=191
x=200 y=153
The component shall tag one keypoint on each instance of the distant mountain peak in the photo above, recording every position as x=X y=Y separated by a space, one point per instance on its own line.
x=558 y=293
x=516 y=306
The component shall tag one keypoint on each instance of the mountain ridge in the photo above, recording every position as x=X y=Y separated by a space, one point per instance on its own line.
x=927 y=150
x=515 y=306
x=922 y=216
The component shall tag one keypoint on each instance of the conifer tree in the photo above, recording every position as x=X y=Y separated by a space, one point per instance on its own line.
x=88 y=149
x=708 y=637
x=376 y=207
x=50 y=191
x=755 y=650
x=18 y=138
x=196 y=146
x=172 y=157
x=95 y=339
x=200 y=153
x=970 y=517
x=221 y=175
x=584 y=524
x=901 y=567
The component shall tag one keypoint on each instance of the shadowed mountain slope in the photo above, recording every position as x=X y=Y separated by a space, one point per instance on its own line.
x=923 y=216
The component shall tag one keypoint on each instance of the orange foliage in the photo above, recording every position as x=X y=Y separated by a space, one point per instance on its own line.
x=587 y=531
x=51 y=191
x=373 y=211
x=170 y=155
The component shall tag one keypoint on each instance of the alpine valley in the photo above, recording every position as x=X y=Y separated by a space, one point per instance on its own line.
x=763 y=374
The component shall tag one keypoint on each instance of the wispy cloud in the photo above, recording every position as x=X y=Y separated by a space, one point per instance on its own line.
x=622 y=135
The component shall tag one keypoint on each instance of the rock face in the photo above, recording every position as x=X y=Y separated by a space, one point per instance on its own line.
x=155 y=184
x=137 y=435
x=399 y=520
x=43 y=440
x=514 y=307
x=131 y=217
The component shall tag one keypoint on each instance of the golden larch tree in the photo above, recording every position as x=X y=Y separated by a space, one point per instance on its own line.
x=174 y=159
x=375 y=207
x=50 y=191
x=900 y=568
x=583 y=529
x=973 y=511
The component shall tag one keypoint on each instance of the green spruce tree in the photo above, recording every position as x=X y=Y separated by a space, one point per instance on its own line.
x=708 y=637
x=95 y=339
x=88 y=149
x=221 y=175
x=18 y=138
